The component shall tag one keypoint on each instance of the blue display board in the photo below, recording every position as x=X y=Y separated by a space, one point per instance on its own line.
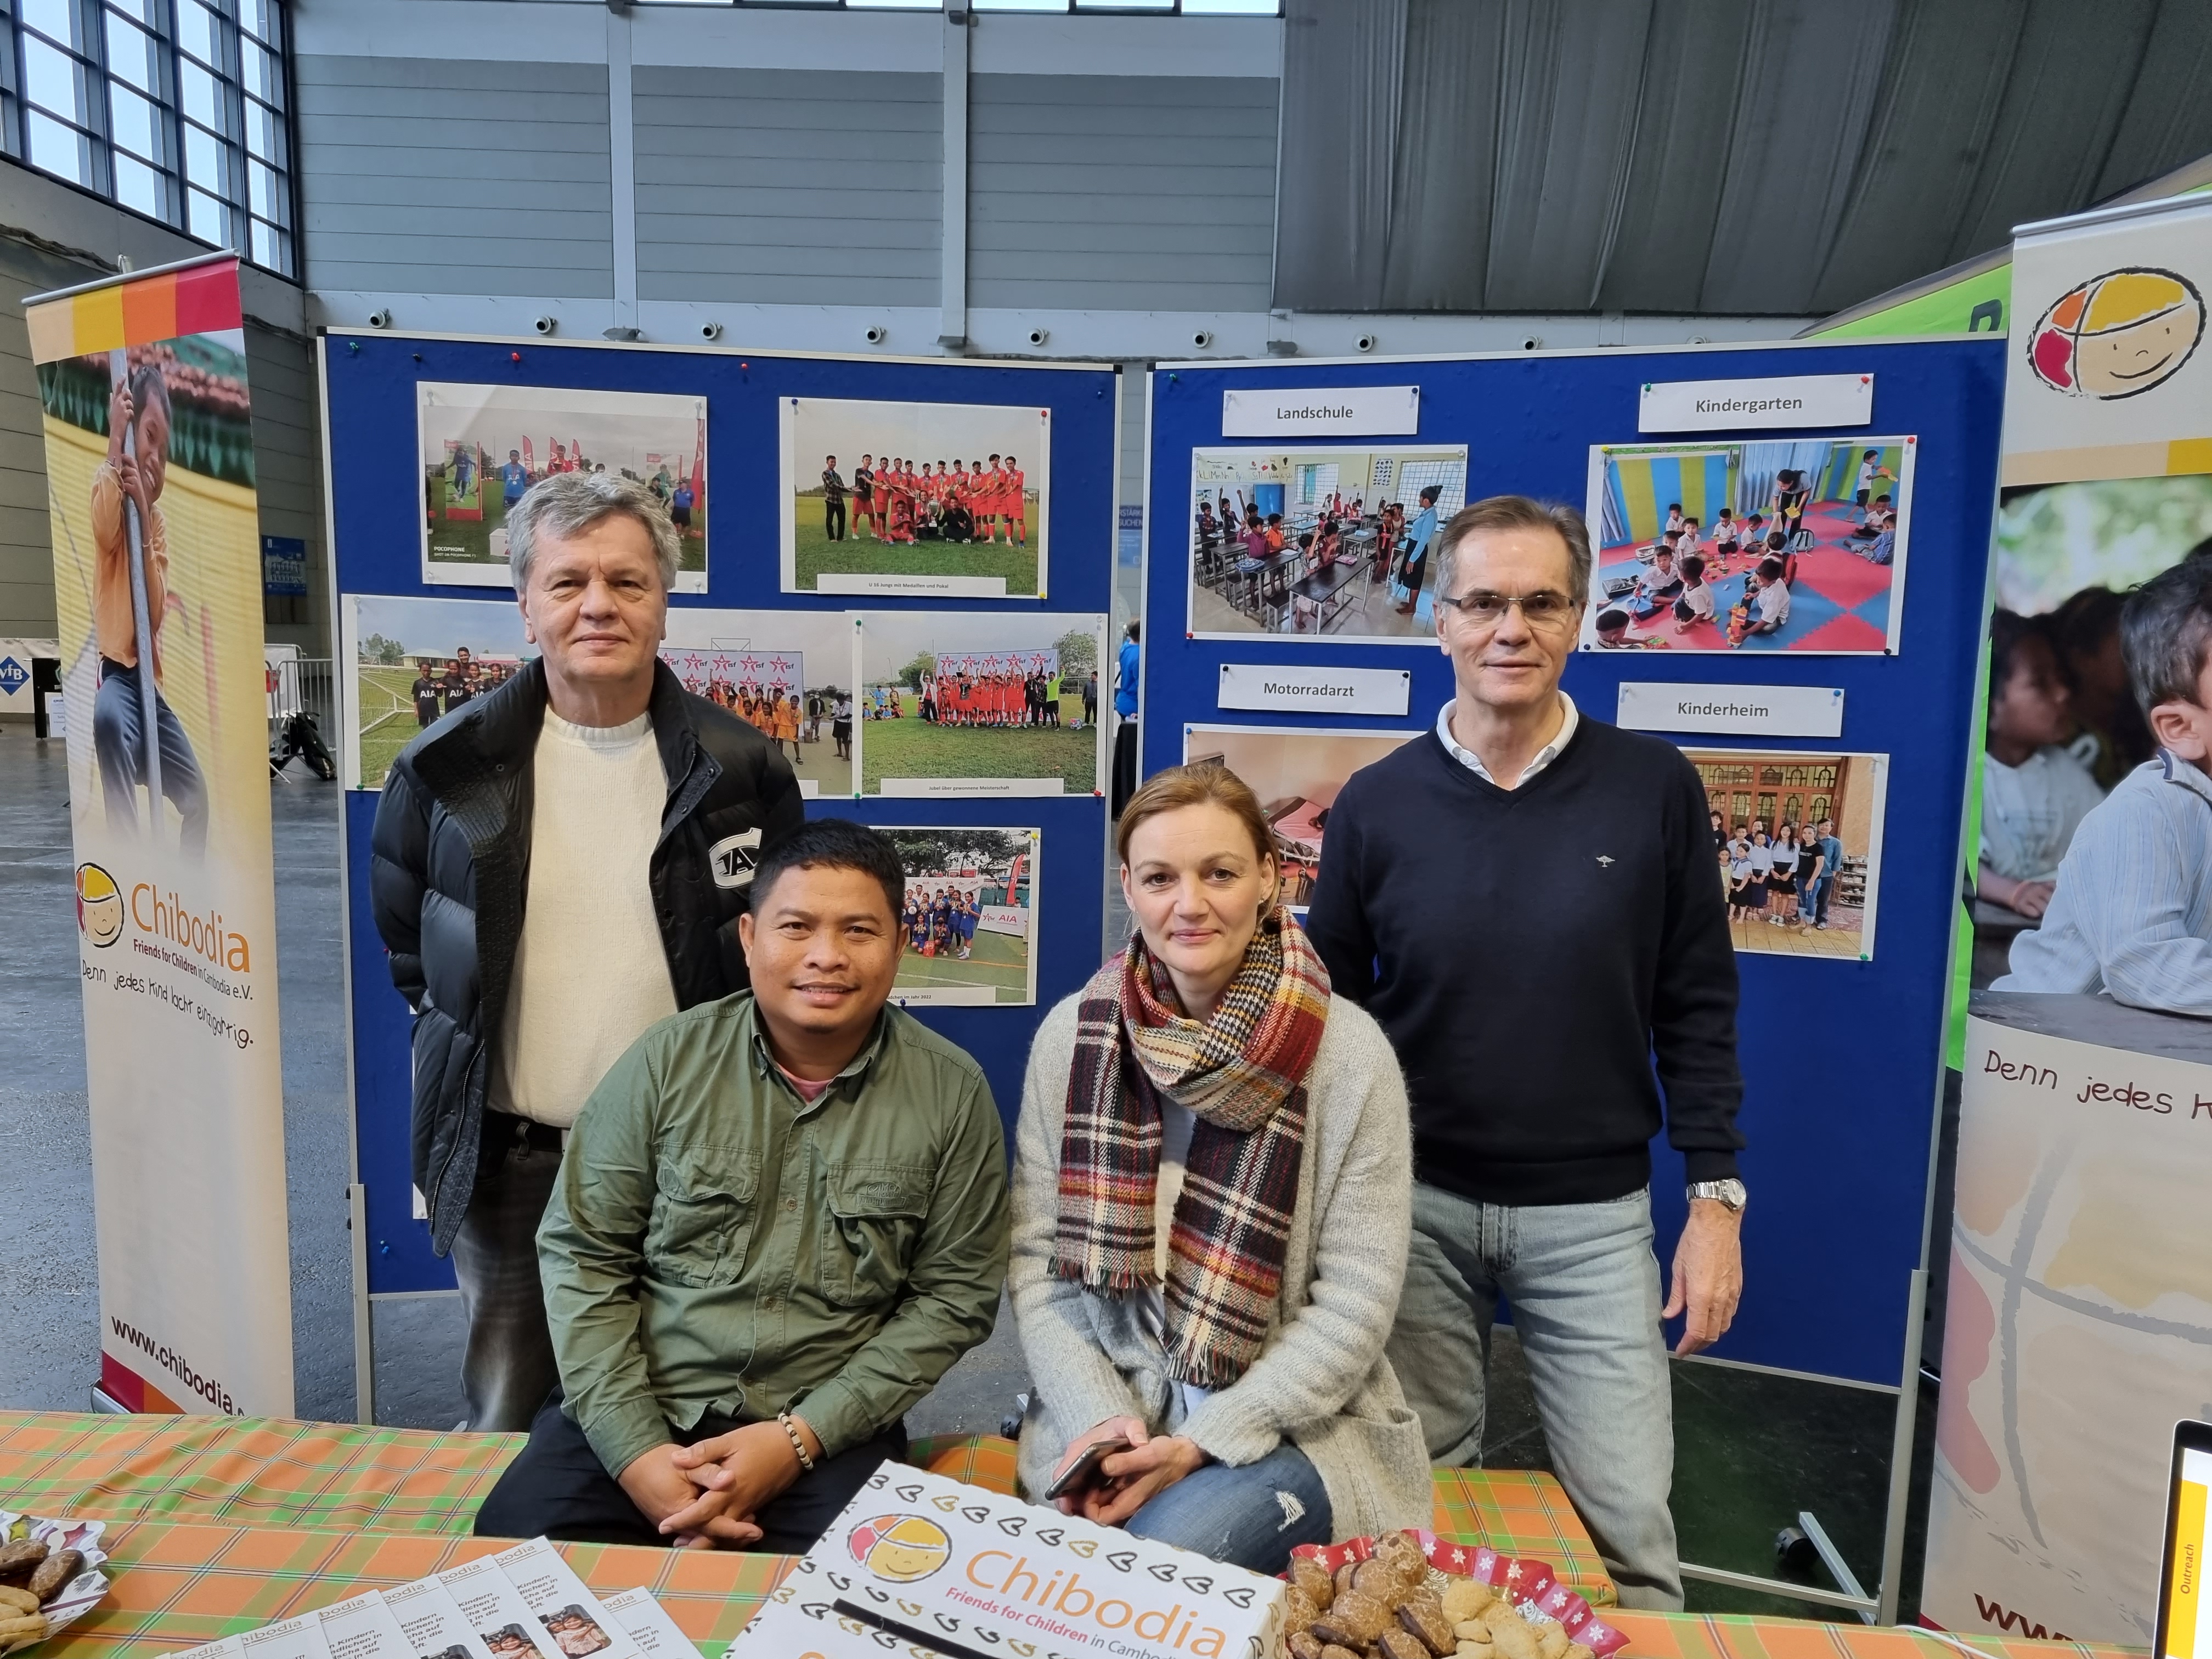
x=1842 y=1058
x=376 y=540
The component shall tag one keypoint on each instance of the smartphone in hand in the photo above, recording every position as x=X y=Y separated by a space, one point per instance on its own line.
x=1085 y=1469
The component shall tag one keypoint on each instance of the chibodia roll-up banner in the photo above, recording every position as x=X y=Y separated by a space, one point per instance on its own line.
x=157 y=583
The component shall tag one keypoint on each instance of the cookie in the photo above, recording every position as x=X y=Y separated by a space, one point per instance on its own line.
x=53 y=1574
x=1464 y=1598
x=1354 y=1620
x=19 y=1559
x=1331 y=1650
x=1513 y=1637
x=1552 y=1641
x=1401 y=1644
x=1425 y=1618
x=1298 y=1610
x=1381 y=1579
x=1303 y=1644
x=1316 y=1580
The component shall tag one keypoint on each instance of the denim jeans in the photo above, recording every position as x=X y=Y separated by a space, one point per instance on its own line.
x=507 y=1368
x=119 y=745
x=1584 y=1289
x=1252 y=1517
x=1813 y=905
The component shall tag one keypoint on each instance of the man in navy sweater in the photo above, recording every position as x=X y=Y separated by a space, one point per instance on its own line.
x=1526 y=899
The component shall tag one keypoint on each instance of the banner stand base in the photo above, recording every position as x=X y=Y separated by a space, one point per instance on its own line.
x=106 y=1404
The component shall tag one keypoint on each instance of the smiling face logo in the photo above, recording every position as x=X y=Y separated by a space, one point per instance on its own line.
x=99 y=905
x=901 y=1548
x=2117 y=334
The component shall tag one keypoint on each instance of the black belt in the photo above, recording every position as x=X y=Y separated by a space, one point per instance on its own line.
x=505 y=1128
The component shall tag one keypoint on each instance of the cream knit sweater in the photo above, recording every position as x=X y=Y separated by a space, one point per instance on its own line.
x=1321 y=1381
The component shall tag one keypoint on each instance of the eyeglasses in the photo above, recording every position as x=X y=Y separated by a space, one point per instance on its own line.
x=1547 y=608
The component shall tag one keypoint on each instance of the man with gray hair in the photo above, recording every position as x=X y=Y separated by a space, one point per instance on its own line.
x=1526 y=899
x=557 y=866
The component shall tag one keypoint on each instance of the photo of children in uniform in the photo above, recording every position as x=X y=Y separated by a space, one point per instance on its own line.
x=785 y=672
x=925 y=499
x=2065 y=726
x=969 y=924
x=150 y=460
x=413 y=661
x=1796 y=546
x=970 y=703
x=1319 y=543
x=483 y=447
x=1298 y=772
x=1798 y=840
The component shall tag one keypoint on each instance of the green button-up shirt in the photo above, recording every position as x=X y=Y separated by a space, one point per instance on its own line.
x=716 y=1244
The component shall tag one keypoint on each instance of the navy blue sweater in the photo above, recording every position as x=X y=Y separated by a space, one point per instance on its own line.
x=1534 y=954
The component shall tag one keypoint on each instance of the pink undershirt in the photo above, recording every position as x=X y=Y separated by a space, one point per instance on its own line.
x=808 y=1092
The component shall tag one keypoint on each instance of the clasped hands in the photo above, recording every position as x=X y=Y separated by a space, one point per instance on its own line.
x=706 y=1496
x=1127 y=1480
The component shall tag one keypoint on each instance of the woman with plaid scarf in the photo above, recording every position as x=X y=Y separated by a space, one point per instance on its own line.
x=1213 y=1174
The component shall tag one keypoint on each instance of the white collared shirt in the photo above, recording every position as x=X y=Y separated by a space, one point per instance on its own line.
x=1544 y=757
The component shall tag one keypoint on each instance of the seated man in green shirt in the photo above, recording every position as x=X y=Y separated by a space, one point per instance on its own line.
x=779 y=1220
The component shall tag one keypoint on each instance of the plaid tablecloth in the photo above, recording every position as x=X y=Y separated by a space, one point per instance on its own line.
x=180 y=1583
x=342 y=1478
x=1745 y=1636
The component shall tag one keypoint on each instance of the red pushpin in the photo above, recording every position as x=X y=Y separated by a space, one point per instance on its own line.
x=514 y=356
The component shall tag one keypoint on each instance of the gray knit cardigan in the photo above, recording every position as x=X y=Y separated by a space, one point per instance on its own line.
x=1321 y=1381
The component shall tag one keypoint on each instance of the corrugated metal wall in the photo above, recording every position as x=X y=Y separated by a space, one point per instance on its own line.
x=1119 y=193
x=788 y=186
x=424 y=176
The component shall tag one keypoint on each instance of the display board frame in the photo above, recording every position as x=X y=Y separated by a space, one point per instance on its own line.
x=1846 y=1211
x=367 y=380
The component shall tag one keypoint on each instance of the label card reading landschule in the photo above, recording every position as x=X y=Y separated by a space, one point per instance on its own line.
x=1351 y=411
x=1309 y=690
x=1799 y=400
x=1751 y=711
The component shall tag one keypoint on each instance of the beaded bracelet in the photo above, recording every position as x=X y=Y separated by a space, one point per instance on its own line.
x=805 y=1463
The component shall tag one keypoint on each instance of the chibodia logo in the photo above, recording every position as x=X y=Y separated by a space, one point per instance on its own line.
x=2118 y=334
x=98 y=906
x=902 y=1548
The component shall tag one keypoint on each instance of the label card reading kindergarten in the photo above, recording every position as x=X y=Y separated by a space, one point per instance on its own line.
x=1799 y=400
x=1762 y=711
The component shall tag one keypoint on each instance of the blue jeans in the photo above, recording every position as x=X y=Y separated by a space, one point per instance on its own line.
x=1584 y=1289
x=119 y=745
x=1812 y=902
x=1251 y=1517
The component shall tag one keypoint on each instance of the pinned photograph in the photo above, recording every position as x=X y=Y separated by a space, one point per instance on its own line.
x=969 y=924
x=1796 y=546
x=1298 y=772
x=1319 y=543
x=410 y=662
x=933 y=500
x=483 y=446
x=788 y=673
x=1798 y=838
x=966 y=704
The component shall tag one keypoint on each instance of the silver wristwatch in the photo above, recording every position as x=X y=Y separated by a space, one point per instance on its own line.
x=1728 y=1192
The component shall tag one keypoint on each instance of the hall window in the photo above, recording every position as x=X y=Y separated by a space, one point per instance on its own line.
x=179 y=110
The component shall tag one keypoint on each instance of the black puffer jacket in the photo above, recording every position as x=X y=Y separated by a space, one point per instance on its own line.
x=451 y=867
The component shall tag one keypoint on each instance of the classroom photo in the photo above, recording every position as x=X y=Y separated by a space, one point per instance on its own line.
x=1319 y=543
x=1788 y=546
